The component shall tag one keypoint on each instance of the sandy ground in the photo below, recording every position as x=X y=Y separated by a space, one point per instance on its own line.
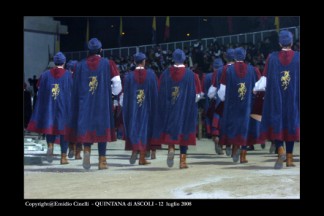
x=209 y=176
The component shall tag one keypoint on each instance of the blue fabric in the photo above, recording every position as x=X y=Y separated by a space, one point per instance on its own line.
x=278 y=143
x=230 y=54
x=207 y=84
x=94 y=44
x=218 y=63
x=139 y=57
x=285 y=38
x=92 y=105
x=63 y=143
x=179 y=56
x=51 y=112
x=138 y=116
x=239 y=54
x=280 y=116
x=183 y=149
x=102 y=146
x=236 y=123
x=59 y=58
x=290 y=147
x=178 y=115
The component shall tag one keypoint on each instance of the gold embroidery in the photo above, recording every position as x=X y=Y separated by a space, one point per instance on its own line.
x=175 y=94
x=285 y=79
x=241 y=90
x=140 y=97
x=55 y=91
x=93 y=84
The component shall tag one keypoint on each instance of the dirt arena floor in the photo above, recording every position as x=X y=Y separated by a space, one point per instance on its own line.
x=209 y=176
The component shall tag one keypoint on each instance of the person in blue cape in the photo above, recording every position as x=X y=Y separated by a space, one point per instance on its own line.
x=52 y=108
x=236 y=90
x=280 y=115
x=139 y=106
x=95 y=80
x=179 y=90
x=212 y=93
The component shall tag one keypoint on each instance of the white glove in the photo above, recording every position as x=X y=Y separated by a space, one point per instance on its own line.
x=212 y=92
x=197 y=97
x=221 y=92
x=261 y=84
x=115 y=103
x=116 y=87
x=121 y=98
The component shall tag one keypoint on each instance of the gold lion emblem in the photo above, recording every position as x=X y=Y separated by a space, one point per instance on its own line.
x=175 y=94
x=140 y=97
x=285 y=79
x=93 y=84
x=241 y=90
x=55 y=91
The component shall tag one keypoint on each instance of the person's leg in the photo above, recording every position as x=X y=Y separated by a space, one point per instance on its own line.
x=243 y=154
x=289 y=150
x=170 y=155
x=281 y=154
x=50 y=147
x=86 y=155
x=183 y=157
x=102 y=155
x=64 y=147
x=78 y=151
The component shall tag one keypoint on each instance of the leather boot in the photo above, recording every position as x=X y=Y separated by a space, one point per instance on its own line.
x=63 y=159
x=78 y=153
x=133 y=157
x=170 y=156
x=49 y=155
x=86 y=157
x=102 y=163
x=153 y=154
x=183 y=164
x=289 y=161
x=281 y=158
x=71 y=150
x=243 y=157
x=142 y=160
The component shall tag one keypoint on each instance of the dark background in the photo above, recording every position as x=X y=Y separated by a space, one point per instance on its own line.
x=138 y=30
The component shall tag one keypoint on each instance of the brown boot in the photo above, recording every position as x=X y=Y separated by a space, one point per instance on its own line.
x=86 y=157
x=49 y=155
x=243 y=157
x=142 y=160
x=289 y=161
x=183 y=164
x=63 y=159
x=170 y=156
x=153 y=154
x=281 y=158
x=71 y=150
x=78 y=153
x=102 y=163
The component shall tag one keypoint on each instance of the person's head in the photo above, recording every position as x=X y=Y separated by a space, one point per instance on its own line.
x=94 y=46
x=178 y=56
x=229 y=55
x=239 y=54
x=285 y=38
x=71 y=65
x=218 y=63
x=139 y=59
x=59 y=59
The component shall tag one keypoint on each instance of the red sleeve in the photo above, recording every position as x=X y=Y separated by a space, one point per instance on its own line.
x=265 y=70
x=197 y=84
x=257 y=71
x=223 y=76
x=113 y=69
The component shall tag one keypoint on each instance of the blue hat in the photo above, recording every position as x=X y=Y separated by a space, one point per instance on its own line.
x=94 y=44
x=218 y=63
x=239 y=54
x=139 y=57
x=59 y=58
x=285 y=37
x=179 y=56
x=230 y=54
